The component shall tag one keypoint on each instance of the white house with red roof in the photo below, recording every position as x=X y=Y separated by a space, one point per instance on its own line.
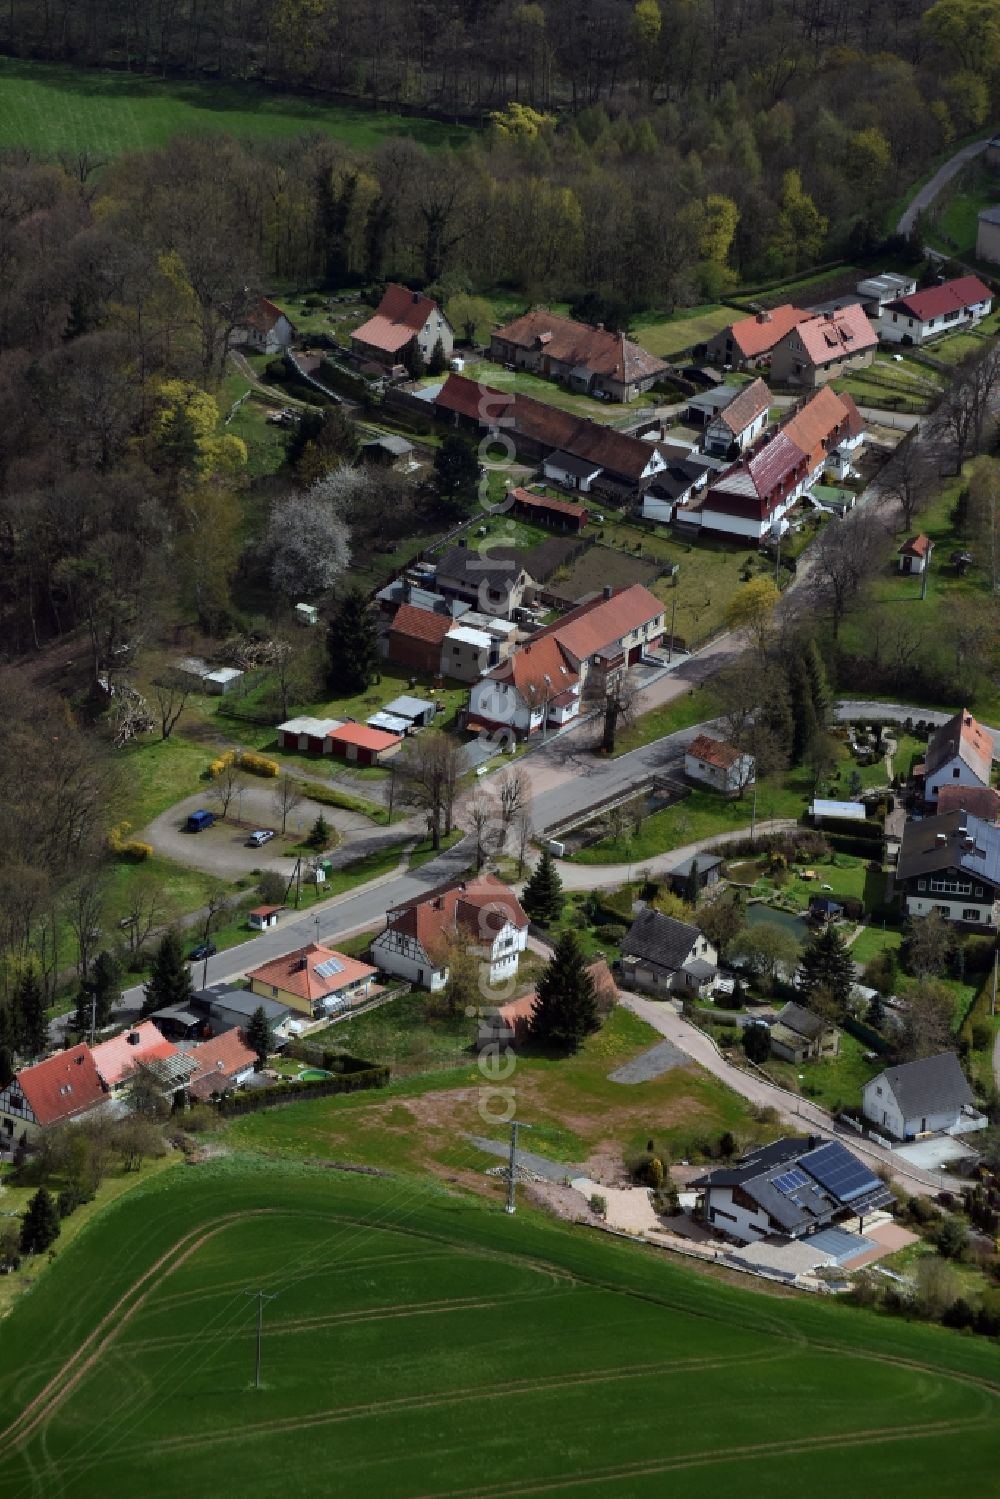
x=959 y=753
x=540 y=685
x=58 y=1090
x=915 y=554
x=823 y=347
x=713 y=762
x=266 y=330
x=402 y=315
x=313 y=980
x=483 y=913
x=928 y=314
x=753 y=497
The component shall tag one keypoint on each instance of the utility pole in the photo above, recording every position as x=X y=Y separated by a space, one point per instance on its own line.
x=93 y=1011
x=673 y=616
x=993 y=1000
x=924 y=574
x=261 y=1296
x=753 y=809
x=392 y=790
x=777 y=559
x=511 y=1206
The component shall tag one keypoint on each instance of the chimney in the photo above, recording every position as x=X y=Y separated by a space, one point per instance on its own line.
x=600 y=327
x=763 y=317
x=608 y=590
x=940 y=838
x=134 y=1038
x=415 y=295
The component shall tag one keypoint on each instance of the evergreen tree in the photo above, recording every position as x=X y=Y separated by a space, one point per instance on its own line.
x=438 y=362
x=319 y=834
x=819 y=686
x=565 y=1009
x=105 y=982
x=413 y=358
x=691 y=886
x=170 y=980
x=827 y=965
x=7 y=1068
x=756 y=1043
x=352 y=646
x=804 y=724
x=259 y=1037
x=29 y=1012
x=543 y=894
x=40 y=1226
x=456 y=470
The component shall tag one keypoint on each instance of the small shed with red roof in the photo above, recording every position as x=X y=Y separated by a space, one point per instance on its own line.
x=915 y=554
x=263 y=918
x=362 y=745
x=560 y=515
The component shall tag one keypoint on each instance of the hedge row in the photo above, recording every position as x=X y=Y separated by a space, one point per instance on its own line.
x=861 y=848
x=128 y=848
x=273 y=1097
x=257 y=765
x=870 y=830
x=322 y=1056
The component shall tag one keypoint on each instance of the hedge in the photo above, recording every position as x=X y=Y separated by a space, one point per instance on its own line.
x=861 y=848
x=851 y=828
x=257 y=765
x=280 y=1093
x=865 y=1035
x=129 y=848
x=323 y=1056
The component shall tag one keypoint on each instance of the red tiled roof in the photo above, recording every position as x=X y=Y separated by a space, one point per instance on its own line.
x=978 y=801
x=714 y=752
x=596 y=349
x=825 y=420
x=964 y=737
x=400 y=314
x=936 y=301
x=538 y=671
x=518 y=1012
x=364 y=737
x=265 y=910
x=756 y=335
x=218 y=1061
x=295 y=972
x=757 y=484
x=751 y=402
x=917 y=546
x=62 y=1086
x=598 y=625
x=420 y=624
x=480 y=908
x=543 y=502
x=836 y=335
x=136 y=1047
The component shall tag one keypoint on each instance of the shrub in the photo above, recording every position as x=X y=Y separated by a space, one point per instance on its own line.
x=599 y=1205
x=125 y=847
x=72 y=1197
x=258 y=765
x=613 y=932
x=982 y=1035
x=268 y=1098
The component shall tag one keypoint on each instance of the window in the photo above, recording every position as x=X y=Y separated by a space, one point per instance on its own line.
x=970 y=913
x=274 y=990
x=921 y=884
x=950 y=884
x=979 y=890
x=956 y=772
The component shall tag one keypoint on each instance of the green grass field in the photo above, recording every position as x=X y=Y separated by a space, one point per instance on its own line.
x=49 y=108
x=686 y=327
x=422 y=1344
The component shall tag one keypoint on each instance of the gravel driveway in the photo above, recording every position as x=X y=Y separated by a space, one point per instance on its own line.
x=655 y=1062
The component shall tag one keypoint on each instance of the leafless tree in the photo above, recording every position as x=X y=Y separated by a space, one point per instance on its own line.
x=144 y=910
x=129 y=716
x=926 y=1020
x=617 y=699
x=845 y=555
x=513 y=792
x=85 y=910
x=909 y=479
x=963 y=415
x=171 y=691
x=486 y=825
x=228 y=783
x=216 y=903
x=427 y=775
x=287 y=796
x=523 y=832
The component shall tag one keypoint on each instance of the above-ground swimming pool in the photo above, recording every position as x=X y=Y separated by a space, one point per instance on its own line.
x=313 y=1074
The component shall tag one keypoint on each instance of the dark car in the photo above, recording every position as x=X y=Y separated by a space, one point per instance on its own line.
x=202 y=951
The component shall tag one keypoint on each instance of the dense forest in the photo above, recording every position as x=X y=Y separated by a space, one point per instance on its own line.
x=663 y=147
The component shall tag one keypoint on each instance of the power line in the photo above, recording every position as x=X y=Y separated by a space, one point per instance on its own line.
x=511 y=1206
x=261 y=1296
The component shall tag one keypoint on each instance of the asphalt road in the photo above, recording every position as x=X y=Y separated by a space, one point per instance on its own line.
x=925 y=197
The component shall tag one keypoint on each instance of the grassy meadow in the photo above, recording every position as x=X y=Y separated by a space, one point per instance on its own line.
x=505 y=1357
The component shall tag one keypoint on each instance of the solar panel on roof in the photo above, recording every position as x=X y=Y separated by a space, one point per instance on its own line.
x=329 y=967
x=789 y=1181
x=837 y=1170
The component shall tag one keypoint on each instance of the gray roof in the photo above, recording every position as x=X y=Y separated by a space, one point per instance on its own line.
x=952 y=840
x=705 y=862
x=500 y=565
x=400 y=591
x=699 y=969
x=990 y=215
x=660 y=939
x=803 y=1183
x=580 y=468
x=802 y=1021
x=933 y=1085
x=390 y=442
x=240 y=1002
x=180 y=1013
x=409 y=707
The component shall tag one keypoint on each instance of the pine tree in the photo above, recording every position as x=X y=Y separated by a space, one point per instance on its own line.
x=105 y=984
x=456 y=470
x=259 y=1037
x=819 y=686
x=7 y=1068
x=804 y=724
x=170 y=980
x=438 y=362
x=319 y=834
x=352 y=646
x=413 y=358
x=543 y=897
x=29 y=1012
x=691 y=886
x=565 y=1009
x=40 y=1226
x=826 y=964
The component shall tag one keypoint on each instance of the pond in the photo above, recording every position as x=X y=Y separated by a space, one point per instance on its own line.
x=758 y=912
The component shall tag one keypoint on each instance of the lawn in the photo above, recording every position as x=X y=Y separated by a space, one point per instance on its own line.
x=955 y=214
x=698 y=705
x=48 y=107
x=700 y=815
x=683 y=329
x=834 y=1083
x=507 y=1356
x=524 y=383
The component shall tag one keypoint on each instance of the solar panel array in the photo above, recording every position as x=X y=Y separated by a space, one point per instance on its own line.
x=790 y=1181
x=329 y=967
x=838 y=1171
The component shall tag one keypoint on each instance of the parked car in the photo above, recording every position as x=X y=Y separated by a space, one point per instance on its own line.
x=202 y=951
x=199 y=820
x=260 y=836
